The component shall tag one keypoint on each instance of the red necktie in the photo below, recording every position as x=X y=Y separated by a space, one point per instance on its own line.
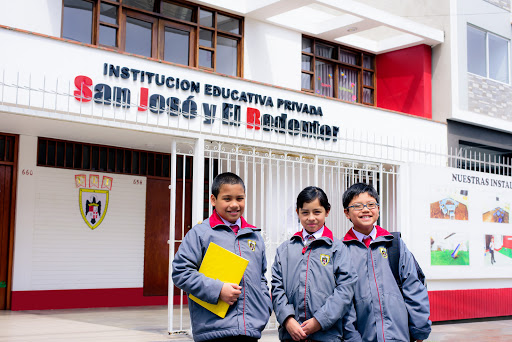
x=235 y=228
x=309 y=239
x=367 y=240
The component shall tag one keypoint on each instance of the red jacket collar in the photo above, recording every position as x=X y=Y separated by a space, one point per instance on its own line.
x=352 y=236
x=326 y=233
x=215 y=220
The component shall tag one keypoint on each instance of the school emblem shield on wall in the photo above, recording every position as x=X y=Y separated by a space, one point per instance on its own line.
x=324 y=259
x=93 y=206
x=252 y=245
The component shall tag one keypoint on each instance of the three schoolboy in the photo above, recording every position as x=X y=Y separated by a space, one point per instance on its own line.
x=381 y=312
x=316 y=293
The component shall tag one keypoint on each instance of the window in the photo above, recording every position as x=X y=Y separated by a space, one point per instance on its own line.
x=488 y=54
x=89 y=157
x=336 y=71
x=176 y=32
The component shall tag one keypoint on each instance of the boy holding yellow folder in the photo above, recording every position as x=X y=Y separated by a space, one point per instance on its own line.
x=249 y=301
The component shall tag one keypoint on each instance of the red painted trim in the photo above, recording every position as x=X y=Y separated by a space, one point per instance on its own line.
x=306 y=288
x=404 y=81
x=243 y=283
x=467 y=304
x=86 y=298
x=378 y=295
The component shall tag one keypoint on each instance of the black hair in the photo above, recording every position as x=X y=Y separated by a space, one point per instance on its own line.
x=225 y=178
x=358 y=189
x=311 y=193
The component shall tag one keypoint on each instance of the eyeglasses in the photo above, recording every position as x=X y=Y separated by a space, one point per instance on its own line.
x=360 y=206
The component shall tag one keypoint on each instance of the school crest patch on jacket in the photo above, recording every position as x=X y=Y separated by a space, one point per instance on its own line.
x=384 y=252
x=324 y=259
x=252 y=245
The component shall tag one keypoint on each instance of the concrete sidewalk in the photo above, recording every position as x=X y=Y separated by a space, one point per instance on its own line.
x=149 y=324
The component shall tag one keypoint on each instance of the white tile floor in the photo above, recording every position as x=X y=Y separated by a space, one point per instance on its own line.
x=149 y=324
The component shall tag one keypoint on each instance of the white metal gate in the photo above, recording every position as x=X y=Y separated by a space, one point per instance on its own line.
x=274 y=178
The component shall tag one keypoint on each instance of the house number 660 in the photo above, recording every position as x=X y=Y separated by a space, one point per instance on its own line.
x=27 y=172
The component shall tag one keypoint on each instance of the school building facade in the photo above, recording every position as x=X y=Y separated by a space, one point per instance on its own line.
x=115 y=116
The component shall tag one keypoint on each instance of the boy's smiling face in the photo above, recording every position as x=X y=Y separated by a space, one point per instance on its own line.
x=363 y=220
x=230 y=202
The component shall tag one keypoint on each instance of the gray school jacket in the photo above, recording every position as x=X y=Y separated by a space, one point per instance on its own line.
x=250 y=313
x=380 y=312
x=314 y=281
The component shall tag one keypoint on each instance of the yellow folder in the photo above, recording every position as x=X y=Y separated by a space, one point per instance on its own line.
x=219 y=263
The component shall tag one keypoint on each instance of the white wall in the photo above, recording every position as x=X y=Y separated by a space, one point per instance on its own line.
x=55 y=249
x=430 y=184
x=61 y=62
x=272 y=54
x=42 y=16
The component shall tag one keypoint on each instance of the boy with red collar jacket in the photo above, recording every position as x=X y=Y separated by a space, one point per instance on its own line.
x=250 y=305
x=312 y=278
x=381 y=312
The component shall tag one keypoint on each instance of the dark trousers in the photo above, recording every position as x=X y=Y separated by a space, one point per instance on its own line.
x=239 y=338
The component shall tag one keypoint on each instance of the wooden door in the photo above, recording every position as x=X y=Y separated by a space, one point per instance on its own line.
x=5 y=234
x=156 y=249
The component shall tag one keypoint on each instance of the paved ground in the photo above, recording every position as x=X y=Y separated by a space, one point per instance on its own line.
x=149 y=324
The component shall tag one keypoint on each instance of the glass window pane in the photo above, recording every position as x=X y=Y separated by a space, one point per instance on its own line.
x=347 y=90
x=108 y=14
x=138 y=37
x=324 y=79
x=227 y=56
x=108 y=36
x=176 y=46
x=206 y=38
x=307 y=45
x=306 y=63
x=41 y=151
x=206 y=18
x=86 y=157
x=69 y=155
x=325 y=51
x=176 y=11
x=51 y=153
x=60 y=153
x=228 y=24
x=476 y=51
x=127 y=162
x=368 y=62
x=368 y=95
x=77 y=23
x=368 y=78
x=78 y=156
x=147 y=5
x=498 y=58
x=306 y=81
x=349 y=57
x=205 y=58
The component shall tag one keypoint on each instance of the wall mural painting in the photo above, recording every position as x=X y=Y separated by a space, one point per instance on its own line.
x=499 y=212
x=451 y=207
x=449 y=249
x=498 y=250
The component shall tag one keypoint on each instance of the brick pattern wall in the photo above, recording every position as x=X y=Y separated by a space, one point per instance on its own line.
x=489 y=97
x=505 y=4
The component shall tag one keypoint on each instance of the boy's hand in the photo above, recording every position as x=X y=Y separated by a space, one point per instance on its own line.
x=230 y=293
x=294 y=329
x=311 y=326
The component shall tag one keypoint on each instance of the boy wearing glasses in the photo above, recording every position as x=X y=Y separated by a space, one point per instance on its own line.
x=380 y=311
